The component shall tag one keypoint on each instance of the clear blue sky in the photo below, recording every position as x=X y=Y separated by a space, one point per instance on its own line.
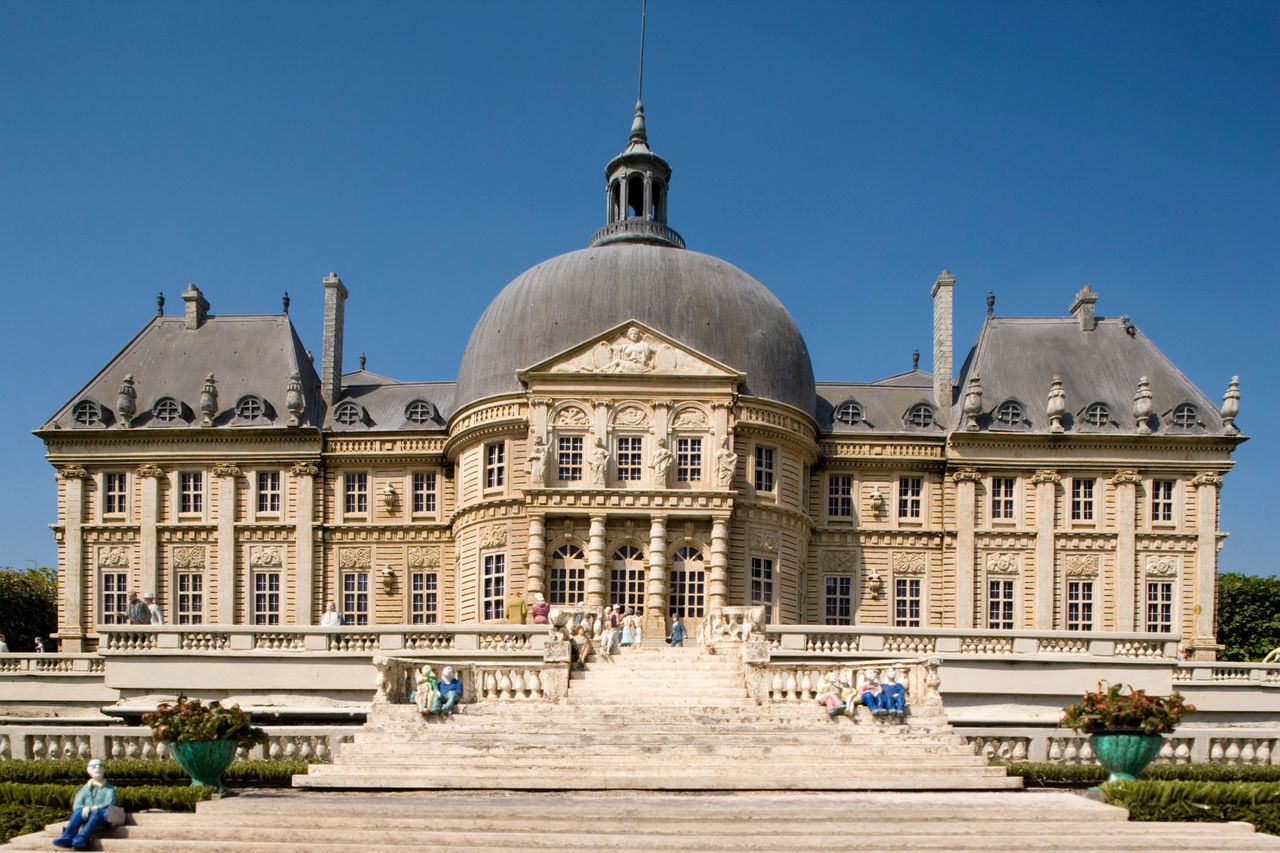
x=842 y=153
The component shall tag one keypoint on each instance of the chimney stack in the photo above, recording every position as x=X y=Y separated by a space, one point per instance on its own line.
x=942 y=344
x=197 y=306
x=335 y=298
x=1082 y=308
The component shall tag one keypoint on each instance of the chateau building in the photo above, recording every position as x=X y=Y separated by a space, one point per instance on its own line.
x=662 y=445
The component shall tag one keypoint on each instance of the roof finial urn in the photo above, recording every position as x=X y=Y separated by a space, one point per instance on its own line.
x=972 y=403
x=1231 y=407
x=1142 y=407
x=208 y=401
x=127 y=401
x=293 y=399
x=1057 y=405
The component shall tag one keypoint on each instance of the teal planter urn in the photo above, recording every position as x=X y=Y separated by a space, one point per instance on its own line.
x=1125 y=754
x=204 y=760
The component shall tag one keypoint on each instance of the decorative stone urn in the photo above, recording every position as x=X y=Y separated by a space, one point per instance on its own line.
x=205 y=760
x=1125 y=754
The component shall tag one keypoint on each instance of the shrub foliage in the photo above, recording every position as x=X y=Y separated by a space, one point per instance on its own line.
x=1255 y=802
x=1248 y=616
x=1122 y=708
x=28 y=606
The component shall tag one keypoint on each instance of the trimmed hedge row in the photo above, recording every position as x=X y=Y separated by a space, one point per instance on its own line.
x=131 y=798
x=258 y=774
x=1215 y=802
x=16 y=819
x=1034 y=773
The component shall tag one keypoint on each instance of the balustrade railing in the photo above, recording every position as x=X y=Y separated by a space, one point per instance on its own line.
x=363 y=639
x=1186 y=745
x=878 y=640
x=304 y=743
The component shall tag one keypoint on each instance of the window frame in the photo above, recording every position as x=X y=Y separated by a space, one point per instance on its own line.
x=690 y=465
x=838 y=599
x=629 y=463
x=1002 y=604
x=840 y=496
x=188 y=598
x=911 y=499
x=1003 y=504
x=191 y=493
x=567 y=584
x=686 y=585
x=1079 y=613
x=849 y=412
x=272 y=492
x=908 y=601
x=354 y=593
x=1159 y=611
x=494 y=466
x=627 y=582
x=266 y=593
x=113 y=611
x=424 y=487
x=571 y=449
x=1163 y=506
x=1084 y=497
x=424 y=597
x=493 y=586
x=761 y=582
x=115 y=494
x=355 y=494
x=764 y=469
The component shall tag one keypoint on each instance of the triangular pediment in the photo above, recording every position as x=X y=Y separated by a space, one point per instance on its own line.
x=631 y=349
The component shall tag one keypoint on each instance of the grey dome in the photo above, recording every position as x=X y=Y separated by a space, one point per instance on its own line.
x=701 y=301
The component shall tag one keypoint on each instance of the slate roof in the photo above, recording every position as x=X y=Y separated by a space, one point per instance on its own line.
x=883 y=405
x=247 y=354
x=384 y=404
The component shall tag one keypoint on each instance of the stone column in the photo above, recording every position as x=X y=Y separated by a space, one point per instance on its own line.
x=149 y=477
x=966 y=480
x=304 y=513
x=227 y=475
x=718 y=585
x=74 y=617
x=537 y=566
x=1126 y=483
x=655 y=605
x=1046 y=483
x=1203 y=645
x=648 y=196
x=595 y=564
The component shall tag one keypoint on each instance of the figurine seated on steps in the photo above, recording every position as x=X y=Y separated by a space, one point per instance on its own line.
x=427 y=692
x=95 y=804
x=837 y=693
x=581 y=645
x=872 y=693
x=894 y=693
x=450 y=692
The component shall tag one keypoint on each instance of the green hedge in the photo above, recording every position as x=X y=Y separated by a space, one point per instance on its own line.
x=16 y=819
x=1034 y=773
x=257 y=774
x=1215 y=802
x=132 y=798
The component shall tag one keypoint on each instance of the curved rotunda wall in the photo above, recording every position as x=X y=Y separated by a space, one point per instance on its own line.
x=701 y=301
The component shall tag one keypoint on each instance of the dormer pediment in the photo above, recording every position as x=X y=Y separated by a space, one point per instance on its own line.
x=630 y=350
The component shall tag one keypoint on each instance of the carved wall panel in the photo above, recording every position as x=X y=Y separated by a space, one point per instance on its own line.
x=1162 y=566
x=424 y=557
x=909 y=563
x=113 y=557
x=355 y=558
x=1002 y=564
x=1081 y=565
x=493 y=537
x=187 y=557
x=266 y=556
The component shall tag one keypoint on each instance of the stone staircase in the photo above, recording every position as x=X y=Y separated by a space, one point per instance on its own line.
x=655 y=718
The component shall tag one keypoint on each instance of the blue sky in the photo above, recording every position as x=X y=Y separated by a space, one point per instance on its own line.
x=842 y=153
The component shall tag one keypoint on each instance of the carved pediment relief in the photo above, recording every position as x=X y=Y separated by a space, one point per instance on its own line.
x=632 y=349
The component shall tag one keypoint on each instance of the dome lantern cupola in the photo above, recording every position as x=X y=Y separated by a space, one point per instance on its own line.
x=636 y=195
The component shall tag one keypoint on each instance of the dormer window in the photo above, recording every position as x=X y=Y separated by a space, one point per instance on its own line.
x=348 y=413
x=167 y=410
x=849 y=412
x=250 y=407
x=1184 y=416
x=420 y=412
x=1097 y=414
x=920 y=415
x=87 y=413
x=1009 y=413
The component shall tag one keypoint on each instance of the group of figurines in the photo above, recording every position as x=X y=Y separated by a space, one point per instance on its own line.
x=618 y=628
x=879 y=691
x=436 y=695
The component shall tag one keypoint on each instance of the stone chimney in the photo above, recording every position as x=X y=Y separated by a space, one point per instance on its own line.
x=335 y=299
x=942 y=345
x=1082 y=308
x=197 y=306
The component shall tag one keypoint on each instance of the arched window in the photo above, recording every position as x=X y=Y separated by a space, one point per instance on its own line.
x=249 y=407
x=849 y=412
x=167 y=410
x=348 y=413
x=615 y=201
x=1184 y=416
x=626 y=578
x=86 y=413
x=568 y=576
x=920 y=415
x=1009 y=413
x=420 y=412
x=687 y=584
x=1097 y=414
x=658 y=212
x=635 y=195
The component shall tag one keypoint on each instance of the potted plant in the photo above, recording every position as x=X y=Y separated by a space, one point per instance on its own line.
x=1126 y=727
x=203 y=738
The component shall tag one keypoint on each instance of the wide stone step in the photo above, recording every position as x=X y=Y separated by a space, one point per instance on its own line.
x=613 y=735
x=667 y=781
x=569 y=759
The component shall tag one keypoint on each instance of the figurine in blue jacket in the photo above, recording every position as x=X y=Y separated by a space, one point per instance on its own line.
x=678 y=633
x=450 y=692
x=89 y=811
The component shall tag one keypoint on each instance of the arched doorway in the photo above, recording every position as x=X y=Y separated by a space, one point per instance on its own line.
x=568 y=576
x=687 y=588
x=627 y=578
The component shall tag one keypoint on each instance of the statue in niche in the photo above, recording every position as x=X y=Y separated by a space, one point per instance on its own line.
x=631 y=355
x=726 y=463
x=661 y=463
x=599 y=462
x=536 y=464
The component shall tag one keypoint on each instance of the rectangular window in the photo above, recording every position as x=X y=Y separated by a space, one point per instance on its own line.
x=191 y=492
x=1002 y=497
x=839 y=600
x=1079 y=605
x=1000 y=604
x=629 y=458
x=1081 y=500
x=1162 y=500
x=355 y=598
x=424 y=601
x=424 y=492
x=688 y=461
x=114 y=494
x=569 y=457
x=909 y=490
x=764 y=469
x=906 y=602
x=495 y=465
x=115 y=598
x=266 y=598
x=840 y=496
x=190 y=598
x=268 y=491
x=356 y=493
x=1160 y=606
x=495 y=573
x=761 y=581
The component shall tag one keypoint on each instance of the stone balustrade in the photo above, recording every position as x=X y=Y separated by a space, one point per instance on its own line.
x=1201 y=745
x=736 y=624
x=781 y=680
x=50 y=664
x=540 y=677
x=304 y=743
x=1226 y=673
x=945 y=642
x=363 y=639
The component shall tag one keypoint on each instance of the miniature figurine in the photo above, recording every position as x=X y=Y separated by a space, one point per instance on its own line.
x=427 y=693
x=90 y=809
x=450 y=692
